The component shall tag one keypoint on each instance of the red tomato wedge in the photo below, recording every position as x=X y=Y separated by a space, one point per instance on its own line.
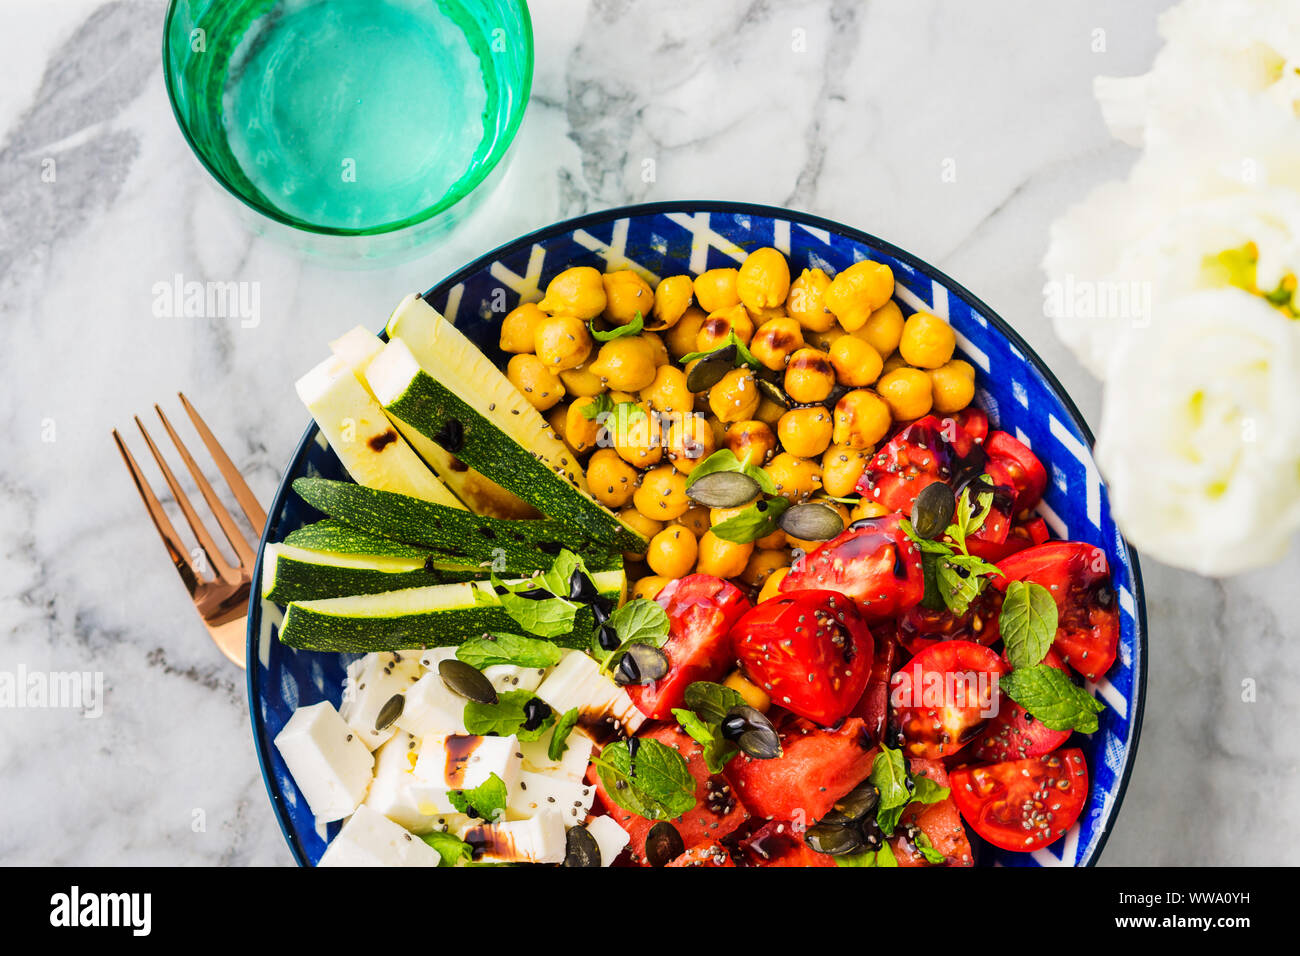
x=1020 y=465
x=779 y=843
x=873 y=706
x=701 y=611
x=872 y=562
x=1078 y=577
x=921 y=627
x=928 y=450
x=1013 y=733
x=1023 y=804
x=972 y=420
x=811 y=651
x=1021 y=535
x=939 y=821
x=944 y=696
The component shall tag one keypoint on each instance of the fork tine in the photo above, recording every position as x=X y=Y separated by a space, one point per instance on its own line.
x=223 y=570
x=171 y=540
x=233 y=534
x=243 y=494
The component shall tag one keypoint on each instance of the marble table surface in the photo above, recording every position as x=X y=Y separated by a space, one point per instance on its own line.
x=852 y=110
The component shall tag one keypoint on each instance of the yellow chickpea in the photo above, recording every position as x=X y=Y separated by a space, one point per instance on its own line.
x=751 y=693
x=637 y=442
x=625 y=364
x=772 y=586
x=855 y=362
x=866 y=508
x=690 y=441
x=805 y=431
x=907 y=392
x=579 y=291
x=750 y=440
x=775 y=341
x=581 y=380
x=807 y=301
x=611 y=480
x=562 y=342
x=519 y=327
x=763 y=281
x=892 y=362
x=558 y=419
x=673 y=552
x=658 y=348
x=662 y=494
x=718 y=327
x=735 y=398
x=824 y=340
x=722 y=558
x=668 y=392
x=672 y=297
x=769 y=412
x=862 y=419
x=795 y=478
x=772 y=542
x=761 y=564
x=953 y=388
x=626 y=295
x=858 y=291
x=540 y=385
x=682 y=336
x=716 y=289
x=638 y=522
x=809 y=377
x=649 y=587
x=883 y=329
x=928 y=341
x=842 y=466
x=696 y=519
x=581 y=432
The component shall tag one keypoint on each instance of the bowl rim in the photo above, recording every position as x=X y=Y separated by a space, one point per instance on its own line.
x=599 y=217
x=452 y=198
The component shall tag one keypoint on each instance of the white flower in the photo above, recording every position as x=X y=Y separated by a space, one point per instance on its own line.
x=1200 y=432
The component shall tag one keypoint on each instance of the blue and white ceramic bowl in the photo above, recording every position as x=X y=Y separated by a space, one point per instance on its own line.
x=1017 y=390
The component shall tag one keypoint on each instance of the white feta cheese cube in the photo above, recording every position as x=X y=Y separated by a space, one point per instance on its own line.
x=609 y=836
x=539 y=839
x=371 y=839
x=506 y=677
x=372 y=682
x=329 y=763
x=431 y=708
x=462 y=762
x=572 y=765
x=540 y=793
x=577 y=682
x=431 y=657
x=391 y=792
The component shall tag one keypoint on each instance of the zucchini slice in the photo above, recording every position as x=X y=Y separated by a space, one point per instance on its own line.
x=435 y=381
x=436 y=616
x=291 y=573
x=336 y=536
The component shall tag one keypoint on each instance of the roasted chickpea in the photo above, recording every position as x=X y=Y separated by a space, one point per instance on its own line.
x=771 y=542
x=952 y=386
x=824 y=340
x=673 y=552
x=690 y=441
x=579 y=291
x=658 y=348
x=866 y=508
x=769 y=412
x=662 y=494
x=672 y=297
x=842 y=466
x=795 y=478
x=858 y=291
x=519 y=327
x=805 y=431
x=722 y=558
x=862 y=418
x=716 y=289
x=810 y=544
x=883 y=329
x=696 y=518
x=581 y=380
x=855 y=362
x=750 y=440
x=610 y=479
x=562 y=341
x=907 y=392
x=892 y=362
x=645 y=527
x=682 y=336
x=718 y=327
x=928 y=341
x=637 y=442
x=625 y=364
x=540 y=385
x=763 y=281
x=581 y=432
x=557 y=418
x=772 y=586
x=668 y=392
x=761 y=564
x=809 y=377
x=775 y=341
x=626 y=295
x=736 y=397
x=807 y=301
x=751 y=693
x=649 y=587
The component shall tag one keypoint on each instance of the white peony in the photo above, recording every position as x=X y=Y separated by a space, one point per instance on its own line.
x=1200 y=432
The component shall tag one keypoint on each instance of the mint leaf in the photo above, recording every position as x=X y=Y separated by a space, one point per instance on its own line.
x=1050 y=696
x=1028 y=623
x=884 y=856
x=927 y=791
x=602 y=404
x=451 y=849
x=724 y=459
x=924 y=545
x=505 y=717
x=560 y=738
x=757 y=521
x=641 y=621
x=717 y=749
x=493 y=649
x=927 y=849
x=487 y=800
x=711 y=701
x=970 y=516
x=655 y=784
x=547 y=617
x=632 y=328
x=961 y=578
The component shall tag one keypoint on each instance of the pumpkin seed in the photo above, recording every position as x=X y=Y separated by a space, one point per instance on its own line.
x=723 y=489
x=663 y=844
x=581 y=848
x=854 y=805
x=933 y=509
x=469 y=682
x=811 y=521
x=641 y=664
x=741 y=718
x=391 y=710
x=832 y=840
x=760 y=743
x=773 y=392
x=711 y=369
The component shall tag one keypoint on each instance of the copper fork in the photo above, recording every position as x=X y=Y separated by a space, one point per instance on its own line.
x=222 y=598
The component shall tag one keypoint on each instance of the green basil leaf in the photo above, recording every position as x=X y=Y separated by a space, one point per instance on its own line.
x=885 y=856
x=513 y=649
x=641 y=621
x=560 y=738
x=711 y=701
x=924 y=545
x=757 y=521
x=505 y=717
x=865 y=858
x=889 y=776
x=1028 y=623
x=602 y=404
x=717 y=750
x=1050 y=696
x=927 y=849
x=632 y=328
x=487 y=800
x=656 y=785
x=927 y=791
x=451 y=849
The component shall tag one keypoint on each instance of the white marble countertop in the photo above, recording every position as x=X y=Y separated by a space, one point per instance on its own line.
x=857 y=128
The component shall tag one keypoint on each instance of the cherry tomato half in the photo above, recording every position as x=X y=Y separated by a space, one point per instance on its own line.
x=943 y=697
x=1014 y=733
x=1021 y=465
x=1023 y=804
x=873 y=562
x=928 y=450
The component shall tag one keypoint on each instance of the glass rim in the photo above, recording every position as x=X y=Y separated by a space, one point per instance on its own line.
x=450 y=199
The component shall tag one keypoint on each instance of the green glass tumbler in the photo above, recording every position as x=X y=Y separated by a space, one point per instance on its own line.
x=354 y=128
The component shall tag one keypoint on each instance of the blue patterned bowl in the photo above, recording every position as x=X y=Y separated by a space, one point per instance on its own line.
x=1017 y=390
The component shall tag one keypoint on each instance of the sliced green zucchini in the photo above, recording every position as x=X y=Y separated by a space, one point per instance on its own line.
x=296 y=574
x=330 y=534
